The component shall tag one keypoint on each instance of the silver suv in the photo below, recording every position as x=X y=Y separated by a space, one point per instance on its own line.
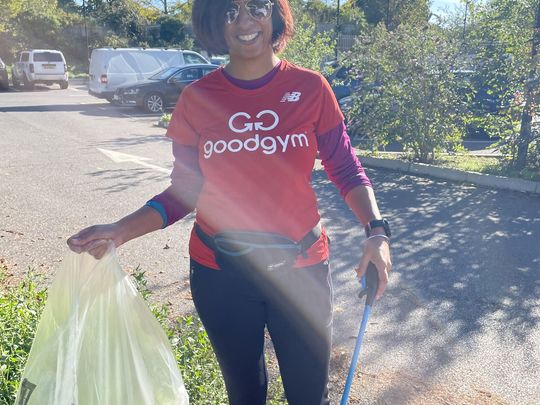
x=40 y=66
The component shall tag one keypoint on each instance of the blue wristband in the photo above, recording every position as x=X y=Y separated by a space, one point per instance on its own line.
x=159 y=208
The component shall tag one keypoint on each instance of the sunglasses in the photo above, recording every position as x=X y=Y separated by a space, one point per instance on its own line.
x=259 y=10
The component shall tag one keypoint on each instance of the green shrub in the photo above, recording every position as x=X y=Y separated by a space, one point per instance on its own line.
x=20 y=309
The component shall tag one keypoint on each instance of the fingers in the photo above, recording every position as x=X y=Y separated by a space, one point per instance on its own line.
x=362 y=266
x=383 y=280
x=93 y=240
x=377 y=252
x=100 y=249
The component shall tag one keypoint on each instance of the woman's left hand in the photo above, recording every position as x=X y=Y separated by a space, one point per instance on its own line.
x=376 y=251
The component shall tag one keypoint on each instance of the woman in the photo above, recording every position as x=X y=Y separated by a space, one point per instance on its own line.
x=245 y=138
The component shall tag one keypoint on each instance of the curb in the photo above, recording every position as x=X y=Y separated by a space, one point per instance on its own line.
x=487 y=180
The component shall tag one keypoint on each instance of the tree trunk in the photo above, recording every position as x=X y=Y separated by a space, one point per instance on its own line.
x=531 y=86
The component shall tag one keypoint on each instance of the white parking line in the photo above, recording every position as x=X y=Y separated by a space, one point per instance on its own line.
x=119 y=157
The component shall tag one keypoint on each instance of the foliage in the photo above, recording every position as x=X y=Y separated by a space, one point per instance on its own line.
x=409 y=91
x=308 y=48
x=395 y=12
x=120 y=16
x=496 y=50
x=171 y=32
x=20 y=308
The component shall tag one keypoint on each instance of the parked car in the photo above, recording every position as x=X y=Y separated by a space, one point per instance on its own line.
x=343 y=83
x=4 y=80
x=111 y=68
x=219 y=60
x=162 y=89
x=40 y=66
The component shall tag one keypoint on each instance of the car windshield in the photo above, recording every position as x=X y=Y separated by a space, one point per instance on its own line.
x=47 y=57
x=164 y=74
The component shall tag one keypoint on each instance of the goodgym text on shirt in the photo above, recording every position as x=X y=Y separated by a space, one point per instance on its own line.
x=268 y=144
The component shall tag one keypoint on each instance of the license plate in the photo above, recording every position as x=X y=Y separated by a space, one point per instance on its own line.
x=48 y=66
x=116 y=97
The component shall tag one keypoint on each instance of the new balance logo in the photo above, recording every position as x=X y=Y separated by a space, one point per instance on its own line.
x=291 y=97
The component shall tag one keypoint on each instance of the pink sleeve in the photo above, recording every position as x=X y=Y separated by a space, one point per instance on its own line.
x=339 y=160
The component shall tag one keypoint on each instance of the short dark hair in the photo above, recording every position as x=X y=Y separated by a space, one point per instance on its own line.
x=208 y=19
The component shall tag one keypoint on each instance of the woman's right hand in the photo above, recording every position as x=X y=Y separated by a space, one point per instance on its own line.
x=95 y=239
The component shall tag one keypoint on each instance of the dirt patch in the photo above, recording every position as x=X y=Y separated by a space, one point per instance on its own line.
x=395 y=387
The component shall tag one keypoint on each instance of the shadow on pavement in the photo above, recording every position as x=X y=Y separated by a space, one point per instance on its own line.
x=104 y=109
x=463 y=265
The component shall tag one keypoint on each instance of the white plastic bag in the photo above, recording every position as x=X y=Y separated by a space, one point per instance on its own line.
x=97 y=343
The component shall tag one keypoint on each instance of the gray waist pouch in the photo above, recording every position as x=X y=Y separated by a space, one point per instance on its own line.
x=255 y=249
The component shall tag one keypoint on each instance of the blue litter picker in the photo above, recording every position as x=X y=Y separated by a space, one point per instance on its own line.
x=370 y=284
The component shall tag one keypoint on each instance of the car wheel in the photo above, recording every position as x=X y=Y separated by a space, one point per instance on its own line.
x=28 y=84
x=153 y=103
x=64 y=84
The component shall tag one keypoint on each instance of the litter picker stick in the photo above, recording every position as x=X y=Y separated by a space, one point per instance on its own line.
x=370 y=284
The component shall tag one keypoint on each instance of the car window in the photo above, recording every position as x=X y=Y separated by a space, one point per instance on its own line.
x=192 y=58
x=187 y=75
x=164 y=74
x=47 y=57
x=205 y=71
x=25 y=57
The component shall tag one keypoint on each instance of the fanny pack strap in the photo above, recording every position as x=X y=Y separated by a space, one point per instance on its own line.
x=303 y=245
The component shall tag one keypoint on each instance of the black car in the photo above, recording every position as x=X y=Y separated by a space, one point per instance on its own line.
x=4 y=81
x=343 y=83
x=162 y=89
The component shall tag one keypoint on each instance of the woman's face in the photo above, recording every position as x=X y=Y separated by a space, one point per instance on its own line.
x=248 y=34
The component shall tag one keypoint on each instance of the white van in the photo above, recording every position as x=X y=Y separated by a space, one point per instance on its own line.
x=114 y=67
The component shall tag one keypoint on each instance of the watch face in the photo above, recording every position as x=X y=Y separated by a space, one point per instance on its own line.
x=376 y=224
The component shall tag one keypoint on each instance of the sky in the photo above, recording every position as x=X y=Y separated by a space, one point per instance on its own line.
x=437 y=5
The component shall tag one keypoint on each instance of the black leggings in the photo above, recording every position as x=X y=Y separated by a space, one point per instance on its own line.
x=296 y=307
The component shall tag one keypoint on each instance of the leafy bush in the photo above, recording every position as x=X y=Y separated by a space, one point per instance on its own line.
x=308 y=48
x=409 y=92
x=20 y=309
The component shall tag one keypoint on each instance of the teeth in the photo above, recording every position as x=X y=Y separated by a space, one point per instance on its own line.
x=248 y=37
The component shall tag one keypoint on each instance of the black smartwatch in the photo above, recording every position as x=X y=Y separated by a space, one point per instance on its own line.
x=376 y=223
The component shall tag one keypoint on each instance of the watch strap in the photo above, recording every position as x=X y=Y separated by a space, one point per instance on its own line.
x=378 y=223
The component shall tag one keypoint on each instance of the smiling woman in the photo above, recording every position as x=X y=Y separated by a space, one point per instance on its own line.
x=245 y=138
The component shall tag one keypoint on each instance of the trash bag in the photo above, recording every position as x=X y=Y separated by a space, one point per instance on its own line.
x=97 y=342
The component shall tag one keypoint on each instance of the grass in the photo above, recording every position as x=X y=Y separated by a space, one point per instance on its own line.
x=22 y=304
x=488 y=165
x=495 y=165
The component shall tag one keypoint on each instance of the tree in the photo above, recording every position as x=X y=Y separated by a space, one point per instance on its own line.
x=409 y=91
x=394 y=12
x=308 y=48
x=121 y=17
x=502 y=47
x=171 y=32
x=531 y=92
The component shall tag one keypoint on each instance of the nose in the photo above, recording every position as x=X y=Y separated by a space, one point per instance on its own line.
x=243 y=16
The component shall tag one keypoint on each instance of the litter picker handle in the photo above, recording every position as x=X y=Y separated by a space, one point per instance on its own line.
x=371 y=279
x=370 y=283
